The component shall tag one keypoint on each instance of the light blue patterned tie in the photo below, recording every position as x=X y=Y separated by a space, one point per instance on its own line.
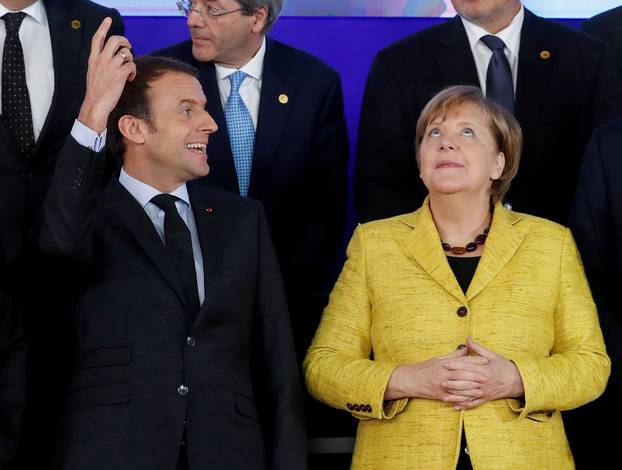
x=241 y=132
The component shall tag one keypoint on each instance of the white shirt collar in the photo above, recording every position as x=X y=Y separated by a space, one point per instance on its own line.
x=143 y=193
x=510 y=35
x=36 y=11
x=253 y=68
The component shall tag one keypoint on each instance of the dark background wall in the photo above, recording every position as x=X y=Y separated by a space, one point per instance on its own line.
x=348 y=44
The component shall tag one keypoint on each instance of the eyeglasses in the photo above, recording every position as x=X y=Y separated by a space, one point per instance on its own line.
x=185 y=7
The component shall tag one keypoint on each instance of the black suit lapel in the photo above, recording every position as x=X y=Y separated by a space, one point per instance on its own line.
x=222 y=170
x=454 y=55
x=208 y=221
x=67 y=49
x=133 y=216
x=536 y=60
x=277 y=97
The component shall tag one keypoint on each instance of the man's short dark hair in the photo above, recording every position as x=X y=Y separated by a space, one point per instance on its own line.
x=134 y=100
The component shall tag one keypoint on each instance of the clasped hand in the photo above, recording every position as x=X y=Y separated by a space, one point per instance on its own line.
x=459 y=378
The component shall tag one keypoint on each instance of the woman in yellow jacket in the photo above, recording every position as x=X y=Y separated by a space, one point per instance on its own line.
x=458 y=333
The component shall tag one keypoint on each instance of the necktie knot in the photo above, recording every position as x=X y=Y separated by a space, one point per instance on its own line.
x=13 y=21
x=236 y=79
x=493 y=42
x=166 y=202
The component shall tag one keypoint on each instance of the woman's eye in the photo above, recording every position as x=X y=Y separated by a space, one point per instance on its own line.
x=467 y=131
x=434 y=133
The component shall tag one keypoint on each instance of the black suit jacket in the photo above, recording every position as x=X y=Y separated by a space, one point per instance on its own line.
x=596 y=222
x=606 y=27
x=559 y=101
x=300 y=160
x=72 y=24
x=124 y=409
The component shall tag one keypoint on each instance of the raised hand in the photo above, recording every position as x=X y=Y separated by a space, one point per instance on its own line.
x=110 y=66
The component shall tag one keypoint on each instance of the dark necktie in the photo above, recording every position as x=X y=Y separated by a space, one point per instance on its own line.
x=179 y=246
x=16 y=112
x=499 y=84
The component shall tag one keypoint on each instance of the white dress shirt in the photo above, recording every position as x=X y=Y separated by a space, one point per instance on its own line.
x=250 y=89
x=34 y=35
x=482 y=54
x=143 y=193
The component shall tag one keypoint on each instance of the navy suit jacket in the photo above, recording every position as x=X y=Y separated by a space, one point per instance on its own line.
x=560 y=98
x=300 y=159
x=125 y=408
x=596 y=223
x=35 y=284
x=606 y=27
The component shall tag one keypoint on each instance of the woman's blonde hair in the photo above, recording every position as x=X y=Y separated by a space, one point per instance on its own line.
x=503 y=126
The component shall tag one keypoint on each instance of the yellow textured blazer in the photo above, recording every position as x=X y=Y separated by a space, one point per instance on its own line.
x=396 y=302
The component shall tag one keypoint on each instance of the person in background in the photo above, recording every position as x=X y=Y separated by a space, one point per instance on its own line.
x=44 y=45
x=596 y=225
x=283 y=141
x=462 y=318
x=606 y=26
x=559 y=83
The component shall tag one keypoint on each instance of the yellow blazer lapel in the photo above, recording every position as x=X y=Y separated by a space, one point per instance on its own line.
x=424 y=244
x=502 y=242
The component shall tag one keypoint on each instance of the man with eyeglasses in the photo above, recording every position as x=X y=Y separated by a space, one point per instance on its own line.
x=282 y=139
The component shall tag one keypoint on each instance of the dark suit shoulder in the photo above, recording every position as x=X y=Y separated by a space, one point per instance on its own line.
x=609 y=20
x=298 y=61
x=180 y=51
x=82 y=7
x=421 y=41
x=577 y=43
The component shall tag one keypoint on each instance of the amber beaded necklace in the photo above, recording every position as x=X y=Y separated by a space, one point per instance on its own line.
x=470 y=247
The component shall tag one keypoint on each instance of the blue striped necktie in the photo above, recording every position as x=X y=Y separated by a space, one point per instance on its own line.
x=241 y=132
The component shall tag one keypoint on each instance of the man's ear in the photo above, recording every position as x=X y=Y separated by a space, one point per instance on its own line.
x=132 y=129
x=261 y=18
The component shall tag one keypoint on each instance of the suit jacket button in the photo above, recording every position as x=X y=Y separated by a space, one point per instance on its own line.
x=462 y=311
x=357 y=407
x=368 y=408
x=349 y=406
x=183 y=390
x=190 y=341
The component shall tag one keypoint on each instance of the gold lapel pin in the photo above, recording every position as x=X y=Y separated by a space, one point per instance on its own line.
x=209 y=210
x=76 y=24
x=545 y=55
x=283 y=99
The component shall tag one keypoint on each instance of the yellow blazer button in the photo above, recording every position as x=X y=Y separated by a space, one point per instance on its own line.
x=545 y=55
x=283 y=99
x=76 y=24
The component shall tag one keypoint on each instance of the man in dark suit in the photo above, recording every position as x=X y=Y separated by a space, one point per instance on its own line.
x=596 y=223
x=53 y=37
x=297 y=151
x=563 y=82
x=185 y=356
x=606 y=27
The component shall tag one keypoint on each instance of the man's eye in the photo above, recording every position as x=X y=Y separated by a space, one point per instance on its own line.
x=186 y=111
x=434 y=133
x=467 y=131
